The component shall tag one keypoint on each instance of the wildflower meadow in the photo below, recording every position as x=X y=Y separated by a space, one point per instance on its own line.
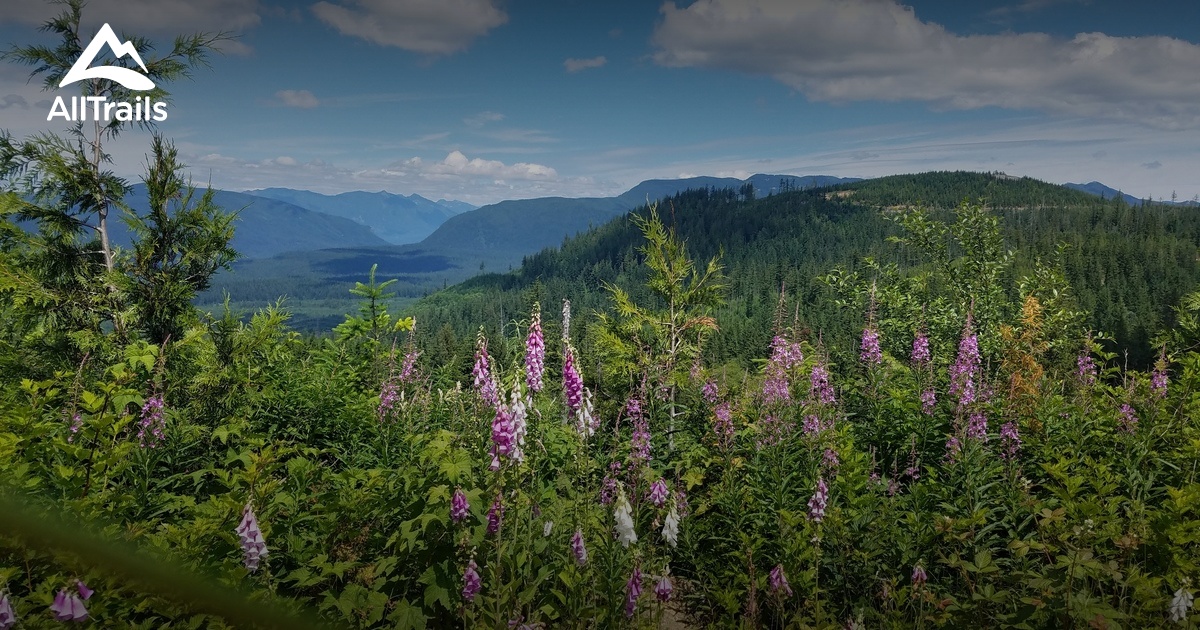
x=971 y=459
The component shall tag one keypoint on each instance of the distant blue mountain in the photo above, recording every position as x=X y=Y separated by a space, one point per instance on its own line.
x=1100 y=190
x=764 y=185
x=397 y=219
x=263 y=228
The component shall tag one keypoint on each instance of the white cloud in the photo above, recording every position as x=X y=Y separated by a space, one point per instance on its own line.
x=575 y=65
x=424 y=26
x=456 y=163
x=297 y=98
x=853 y=50
x=483 y=118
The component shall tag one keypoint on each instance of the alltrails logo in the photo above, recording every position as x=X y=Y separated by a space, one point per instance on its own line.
x=101 y=109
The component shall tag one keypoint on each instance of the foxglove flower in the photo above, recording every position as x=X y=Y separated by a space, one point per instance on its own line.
x=68 y=607
x=709 y=392
x=608 y=490
x=918 y=576
x=871 y=354
x=977 y=427
x=1128 y=420
x=670 y=530
x=663 y=589
x=8 y=618
x=820 y=389
x=820 y=498
x=535 y=351
x=485 y=382
x=623 y=515
x=503 y=436
x=633 y=590
x=1180 y=604
x=459 y=508
x=928 y=402
x=254 y=546
x=494 y=516
x=587 y=423
x=578 y=548
x=658 y=493
x=920 y=349
x=566 y=321
x=1010 y=440
x=151 y=425
x=84 y=591
x=518 y=413
x=779 y=583
x=572 y=384
x=472 y=584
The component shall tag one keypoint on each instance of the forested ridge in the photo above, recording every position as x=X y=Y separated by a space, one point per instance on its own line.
x=1127 y=265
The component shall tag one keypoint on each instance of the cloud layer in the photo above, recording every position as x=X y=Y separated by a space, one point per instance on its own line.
x=297 y=98
x=423 y=26
x=852 y=50
x=575 y=65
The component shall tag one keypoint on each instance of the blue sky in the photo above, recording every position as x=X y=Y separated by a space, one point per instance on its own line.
x=482 y=100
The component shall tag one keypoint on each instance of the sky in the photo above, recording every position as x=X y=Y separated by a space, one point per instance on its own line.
x=484 y=100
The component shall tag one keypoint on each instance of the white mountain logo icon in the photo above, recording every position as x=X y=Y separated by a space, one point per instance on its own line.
x=126 y=77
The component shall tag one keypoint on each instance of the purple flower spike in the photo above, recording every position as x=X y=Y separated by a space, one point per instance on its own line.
x=572 y=384
x=820 y=389
x=977 y=427
x=68 y=607
x=779 y=582
x=818 y=502
x=472 y=584
x=578 y=548
x=658 y=493
x=535 y=352
x=918 y=576
x=871 y=353
x=1128 y=420
x=663 y=589
x=494 y=516
x=1085 y=369
x=254 y=547
x=485 y=382
x=151 y=426
x=920 y=349
x=1010 y=440
x=709 y=392
x=8 y=618
x=633 y=590
x=459 y=508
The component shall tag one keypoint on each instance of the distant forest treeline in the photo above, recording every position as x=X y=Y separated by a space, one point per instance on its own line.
x=1127 y=265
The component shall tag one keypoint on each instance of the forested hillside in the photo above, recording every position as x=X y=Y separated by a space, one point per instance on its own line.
x=1126 y=265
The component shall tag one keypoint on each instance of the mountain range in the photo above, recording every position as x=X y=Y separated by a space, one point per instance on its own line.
x=397 y=219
